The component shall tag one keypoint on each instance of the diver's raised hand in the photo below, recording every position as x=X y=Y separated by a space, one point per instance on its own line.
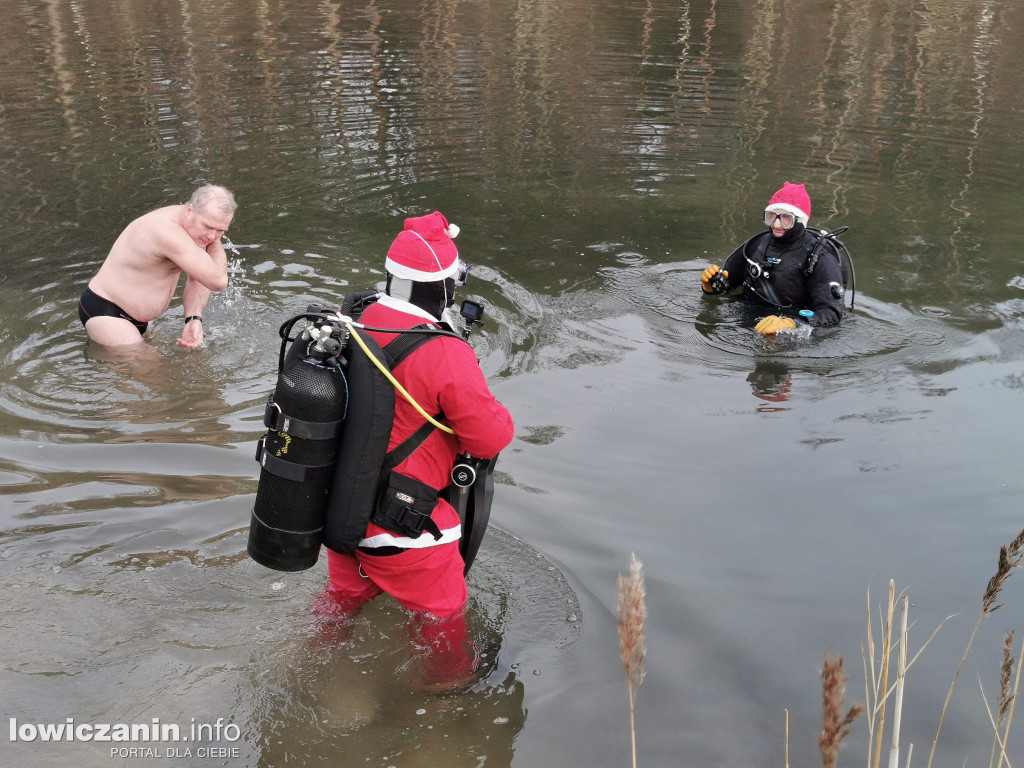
x=708 y=281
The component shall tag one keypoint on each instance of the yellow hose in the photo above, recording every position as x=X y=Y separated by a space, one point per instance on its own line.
x=399 y=387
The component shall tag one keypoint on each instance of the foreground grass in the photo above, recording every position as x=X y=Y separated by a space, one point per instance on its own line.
x=632 y=613
x=884 y=699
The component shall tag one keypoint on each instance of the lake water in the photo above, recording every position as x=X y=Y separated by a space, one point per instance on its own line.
x=597 y=157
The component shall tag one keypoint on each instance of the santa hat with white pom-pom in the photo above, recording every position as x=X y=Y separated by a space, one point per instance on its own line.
x=424 y=251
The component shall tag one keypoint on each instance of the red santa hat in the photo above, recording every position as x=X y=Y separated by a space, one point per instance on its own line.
x=792 y=198
x=424 y=251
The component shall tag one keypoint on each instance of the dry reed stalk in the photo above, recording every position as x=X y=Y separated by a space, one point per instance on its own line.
x=1009 y=558
x=837 y=726
x=995 y=728
x=901 y=676
x=884 y=678
x=873 y=692
x=870 y=680
x=873 y=683
x=632 y=612
x=787 y=738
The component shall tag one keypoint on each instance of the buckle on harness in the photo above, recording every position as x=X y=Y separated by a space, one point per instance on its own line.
x=273 y=415
x=404 y=506
x=410 y=522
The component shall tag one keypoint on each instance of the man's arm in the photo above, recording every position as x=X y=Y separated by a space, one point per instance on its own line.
x=195 y=297
x=208 y=267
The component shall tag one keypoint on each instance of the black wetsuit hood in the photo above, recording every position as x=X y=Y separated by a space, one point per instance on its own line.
x=432 y=297
x=791 y=235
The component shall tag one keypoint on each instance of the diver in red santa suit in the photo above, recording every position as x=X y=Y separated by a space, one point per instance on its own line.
x=425 y=572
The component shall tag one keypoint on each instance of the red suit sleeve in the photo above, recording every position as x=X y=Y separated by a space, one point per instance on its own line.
x=483 y=425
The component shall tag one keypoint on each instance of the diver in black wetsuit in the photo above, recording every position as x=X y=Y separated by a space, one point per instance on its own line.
x=794 y=269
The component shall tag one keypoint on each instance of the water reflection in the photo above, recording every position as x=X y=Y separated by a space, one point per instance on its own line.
x=189 y=615
x=319 y=694
x=344 y=125
x=771 y=382
x=599 y=156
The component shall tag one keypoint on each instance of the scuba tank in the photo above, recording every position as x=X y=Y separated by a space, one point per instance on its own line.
x=830 y=240
x=304 y=418
x=320 y=459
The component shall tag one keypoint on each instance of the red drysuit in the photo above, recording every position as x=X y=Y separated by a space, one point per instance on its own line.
x=443 y=376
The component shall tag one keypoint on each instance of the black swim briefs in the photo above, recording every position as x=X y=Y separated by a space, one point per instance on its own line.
x=91 y=305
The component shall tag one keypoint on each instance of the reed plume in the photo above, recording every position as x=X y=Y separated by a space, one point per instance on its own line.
x=1005 y=696
x=632 y=612
x=1009 y=558
x=837 y=726
x=1003 y=717
x=1009 y=710
x=1006 y=671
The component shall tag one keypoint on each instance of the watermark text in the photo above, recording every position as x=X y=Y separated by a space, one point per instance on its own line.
x=152 y=732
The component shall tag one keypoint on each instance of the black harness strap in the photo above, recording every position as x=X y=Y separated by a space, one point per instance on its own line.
x=401 y=517
x=769 y=296
x=409 y=445
x=396 y=351
x=354 y=303
x=289 y=470
x=276 y=419
x=823 y=242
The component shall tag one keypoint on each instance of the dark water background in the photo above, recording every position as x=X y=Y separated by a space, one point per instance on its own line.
x=597 y=157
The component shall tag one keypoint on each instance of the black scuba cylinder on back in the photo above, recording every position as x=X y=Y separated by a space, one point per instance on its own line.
x=304 y=417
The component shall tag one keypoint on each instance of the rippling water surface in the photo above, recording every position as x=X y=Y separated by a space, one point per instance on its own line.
x=597 y=157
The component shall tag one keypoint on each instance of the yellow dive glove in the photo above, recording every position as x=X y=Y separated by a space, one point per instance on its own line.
x=774 y=324
x=707 y=280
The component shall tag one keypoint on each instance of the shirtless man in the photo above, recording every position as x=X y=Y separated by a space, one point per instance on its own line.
x=137 y=280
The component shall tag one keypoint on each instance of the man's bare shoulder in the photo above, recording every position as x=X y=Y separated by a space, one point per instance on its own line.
x=167 y=217
x=157 y=233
